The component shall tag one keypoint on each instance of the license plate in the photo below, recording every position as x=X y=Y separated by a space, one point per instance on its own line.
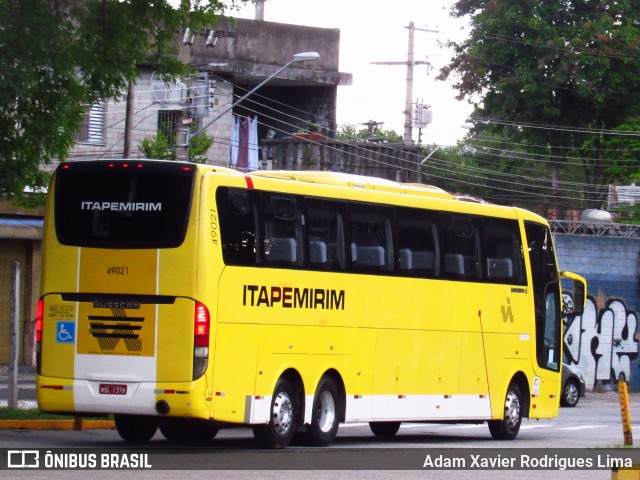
x=112 y=389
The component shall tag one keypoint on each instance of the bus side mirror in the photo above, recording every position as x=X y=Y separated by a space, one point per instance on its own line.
x=576 y=286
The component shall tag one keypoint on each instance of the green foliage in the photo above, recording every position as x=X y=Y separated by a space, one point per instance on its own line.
x=158 y=147
x=349 y=132
x=28 y=414
x=627 y=214
x=60 y=56
x=548 y=75
x=198 y=147
x=35 y=414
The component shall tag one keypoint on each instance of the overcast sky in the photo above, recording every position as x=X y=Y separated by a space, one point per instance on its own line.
x=375 y=32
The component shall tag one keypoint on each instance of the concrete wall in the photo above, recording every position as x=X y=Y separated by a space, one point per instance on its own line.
x=257 y=45
x=604 y=341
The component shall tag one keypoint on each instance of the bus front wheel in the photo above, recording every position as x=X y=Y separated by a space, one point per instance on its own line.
x=136 y=428
x=284 y=418
x=509 y=426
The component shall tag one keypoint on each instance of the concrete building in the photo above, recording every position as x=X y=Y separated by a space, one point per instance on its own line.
x=228 y=61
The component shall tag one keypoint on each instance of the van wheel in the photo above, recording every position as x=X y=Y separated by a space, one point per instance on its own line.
x=284 y=417
x=325 y=418
x=136 y=428
x=509 y=426
x=570 y=394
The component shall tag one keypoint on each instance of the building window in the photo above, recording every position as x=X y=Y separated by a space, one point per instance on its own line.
x=167 y=125
x=92 y=127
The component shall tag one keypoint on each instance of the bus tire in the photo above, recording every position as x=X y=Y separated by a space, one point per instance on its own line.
x=325 y=417
x=187 y=430
x=284 y=417
x=384 y=429
x=509 y=426
x=136 y=428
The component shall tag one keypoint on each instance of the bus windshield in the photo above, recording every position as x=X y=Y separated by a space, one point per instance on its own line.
x=123 y=204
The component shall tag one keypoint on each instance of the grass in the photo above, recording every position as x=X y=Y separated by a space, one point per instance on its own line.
x=29 y=414
x=32 y=414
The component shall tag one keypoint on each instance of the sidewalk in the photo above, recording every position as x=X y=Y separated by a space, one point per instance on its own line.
x=27 y=400
x=26 y=386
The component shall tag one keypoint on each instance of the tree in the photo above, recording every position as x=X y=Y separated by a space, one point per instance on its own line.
x=60 y=56
x=159 y=147
x=349 y=132
x=554 y=76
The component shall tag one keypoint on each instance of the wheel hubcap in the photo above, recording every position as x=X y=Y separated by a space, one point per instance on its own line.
x=512 y=410
x=282 y=413
x=326 y=411
x=572 y=393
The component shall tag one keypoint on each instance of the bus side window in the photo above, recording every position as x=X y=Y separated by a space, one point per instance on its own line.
x=503 y=251
x=461 y=245
x=371 y=235
x=282 y=230
x=237 y=226
x=418 y=254
x=325 y=234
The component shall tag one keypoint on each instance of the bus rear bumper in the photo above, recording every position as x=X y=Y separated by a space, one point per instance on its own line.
x=132 y=398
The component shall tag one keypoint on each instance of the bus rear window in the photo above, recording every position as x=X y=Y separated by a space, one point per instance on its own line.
x=123 y=204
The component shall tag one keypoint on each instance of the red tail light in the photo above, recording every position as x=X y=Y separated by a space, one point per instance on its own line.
x=201 y=326
x=39 y=325
x=200 y=340
x=39 y=318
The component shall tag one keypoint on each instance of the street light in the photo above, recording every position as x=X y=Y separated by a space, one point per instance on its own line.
x=298 y=57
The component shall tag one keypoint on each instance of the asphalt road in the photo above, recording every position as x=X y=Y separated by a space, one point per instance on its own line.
x=356 y=453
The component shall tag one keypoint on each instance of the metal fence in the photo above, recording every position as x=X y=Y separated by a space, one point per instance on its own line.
x=18 y=297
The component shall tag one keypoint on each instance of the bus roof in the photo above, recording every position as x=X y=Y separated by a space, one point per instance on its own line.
x=355 y=181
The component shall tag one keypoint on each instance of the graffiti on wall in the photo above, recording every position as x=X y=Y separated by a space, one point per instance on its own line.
x=602 y=341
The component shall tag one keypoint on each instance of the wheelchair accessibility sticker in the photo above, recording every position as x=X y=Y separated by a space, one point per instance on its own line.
x=66 y=332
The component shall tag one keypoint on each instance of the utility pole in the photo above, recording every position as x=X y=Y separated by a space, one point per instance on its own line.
x=410 y=63
x=371 y=126
x=128 y=122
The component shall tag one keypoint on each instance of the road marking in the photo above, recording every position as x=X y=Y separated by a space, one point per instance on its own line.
x=533 y=427
x=582 y=427
x=463 y=427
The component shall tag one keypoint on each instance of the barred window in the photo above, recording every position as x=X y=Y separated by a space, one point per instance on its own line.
x=167 y=125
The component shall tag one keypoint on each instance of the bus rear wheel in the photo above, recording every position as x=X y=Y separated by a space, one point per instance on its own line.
x=384 y=429
x=136 y=428
x=284 y=417
x=325 y=418
x=509 y=426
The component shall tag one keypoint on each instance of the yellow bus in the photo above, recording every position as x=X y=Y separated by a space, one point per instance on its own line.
x=189 y=298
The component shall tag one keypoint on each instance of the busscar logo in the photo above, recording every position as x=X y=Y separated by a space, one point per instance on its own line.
x=23 y=459
x=109 y=330
x=121 y=305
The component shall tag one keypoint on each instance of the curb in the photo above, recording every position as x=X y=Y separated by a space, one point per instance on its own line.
x=72 y=424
